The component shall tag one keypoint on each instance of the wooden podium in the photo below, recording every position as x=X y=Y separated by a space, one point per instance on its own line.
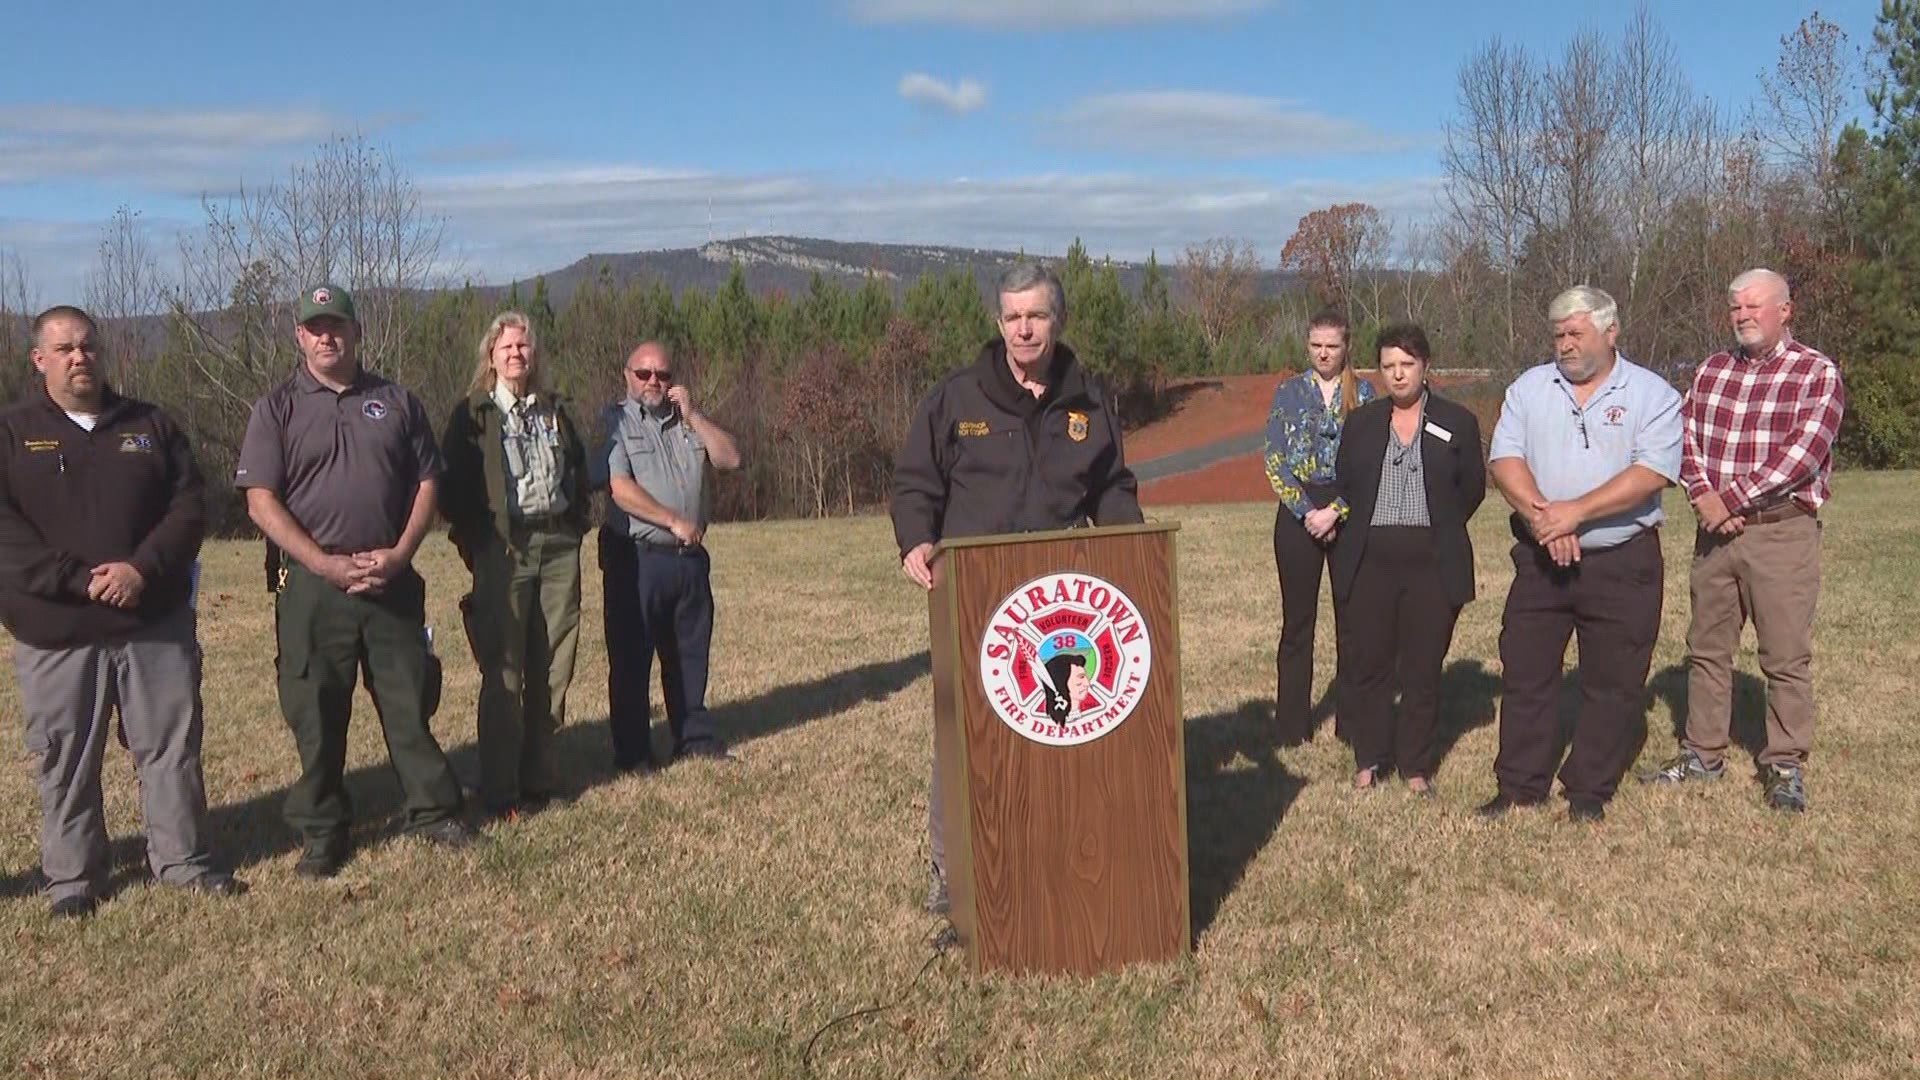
x=1057 y=721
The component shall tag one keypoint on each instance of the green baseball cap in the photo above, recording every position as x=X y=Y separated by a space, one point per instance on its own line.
x=326 y=298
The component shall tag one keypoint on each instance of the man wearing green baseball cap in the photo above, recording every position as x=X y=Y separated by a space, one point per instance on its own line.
x=340 y=472
x=326 y=299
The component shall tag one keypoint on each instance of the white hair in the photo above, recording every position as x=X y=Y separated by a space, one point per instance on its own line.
x=1587 y=300
x=1760 y=275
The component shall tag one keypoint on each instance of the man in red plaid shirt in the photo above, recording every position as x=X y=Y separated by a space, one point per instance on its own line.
x=1756 y=457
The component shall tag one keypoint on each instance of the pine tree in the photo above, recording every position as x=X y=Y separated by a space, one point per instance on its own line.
x=1880 y=177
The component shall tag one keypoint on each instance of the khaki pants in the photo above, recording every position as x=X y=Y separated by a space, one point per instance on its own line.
x=1770 y=574
x=524 y=623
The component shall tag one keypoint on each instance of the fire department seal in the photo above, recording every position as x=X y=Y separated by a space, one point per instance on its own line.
x=374 y=409
x=1065 y=658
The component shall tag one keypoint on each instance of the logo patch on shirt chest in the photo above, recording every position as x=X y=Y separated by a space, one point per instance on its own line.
x=1614 y=415
x=1077 y=426
x=42 y=446
x=374 y=410
x=136 y=443
x=973 y=427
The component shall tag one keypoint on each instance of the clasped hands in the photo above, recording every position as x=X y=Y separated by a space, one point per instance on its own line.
x=116 y=584
x=1716 y=518
x=1555 y=524
x=363 y=572
x=1323 y=523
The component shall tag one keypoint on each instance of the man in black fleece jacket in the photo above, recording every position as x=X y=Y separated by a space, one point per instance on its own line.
x=1021 y=440
x=101 y=517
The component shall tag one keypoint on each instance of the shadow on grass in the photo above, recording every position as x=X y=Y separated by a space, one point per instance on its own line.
x=1233 y=807
x=1467 y=694
x=253 y=831
x=1749 y=705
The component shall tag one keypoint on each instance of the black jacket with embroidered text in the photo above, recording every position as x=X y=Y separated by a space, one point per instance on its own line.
x=985 y=457
x=72 y=499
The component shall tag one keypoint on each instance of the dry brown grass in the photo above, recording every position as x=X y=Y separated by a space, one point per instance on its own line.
x=706 y=921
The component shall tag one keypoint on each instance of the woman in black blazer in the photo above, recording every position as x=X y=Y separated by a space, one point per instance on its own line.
x=1410 y=475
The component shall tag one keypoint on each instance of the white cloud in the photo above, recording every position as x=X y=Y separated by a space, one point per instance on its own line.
x=1052 y=14
x=505 y=224
x=1203 y=124
x=513 y=225
x=957 y=98
x=178 y=151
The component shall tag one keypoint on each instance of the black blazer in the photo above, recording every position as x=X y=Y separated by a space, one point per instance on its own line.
x=1456 y=483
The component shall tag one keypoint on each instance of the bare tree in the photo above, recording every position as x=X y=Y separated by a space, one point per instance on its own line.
x=349 y=215
x=1421 y=261
x=1813 y=86
x=19 y=302
x=1663 y=133
x=1218 y=279
x=1577 y=115
x=1492 y=158
x=124 y=290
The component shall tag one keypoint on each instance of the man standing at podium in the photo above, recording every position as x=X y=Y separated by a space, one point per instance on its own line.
x=1021 y=440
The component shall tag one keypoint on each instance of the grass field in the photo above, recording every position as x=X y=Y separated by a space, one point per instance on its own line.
x=706 y=921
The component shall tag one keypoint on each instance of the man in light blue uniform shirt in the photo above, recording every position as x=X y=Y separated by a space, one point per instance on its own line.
x=1584 y=447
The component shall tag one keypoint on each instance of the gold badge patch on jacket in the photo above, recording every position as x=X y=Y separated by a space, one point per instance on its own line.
x=1077 y=426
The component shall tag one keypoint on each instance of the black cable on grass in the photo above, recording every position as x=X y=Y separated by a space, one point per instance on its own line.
x=945 y=939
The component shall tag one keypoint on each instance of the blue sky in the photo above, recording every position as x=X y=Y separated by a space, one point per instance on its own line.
x=545 y=132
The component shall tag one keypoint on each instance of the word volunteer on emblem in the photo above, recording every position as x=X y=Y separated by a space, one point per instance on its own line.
x=1065 y=658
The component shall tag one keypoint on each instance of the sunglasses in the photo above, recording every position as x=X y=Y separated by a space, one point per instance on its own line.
x=650 y=375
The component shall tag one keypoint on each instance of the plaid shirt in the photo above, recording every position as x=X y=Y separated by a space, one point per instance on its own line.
x=1403 y=491
x=1760 y=431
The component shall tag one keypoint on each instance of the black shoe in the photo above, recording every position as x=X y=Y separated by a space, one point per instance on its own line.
x=1586 y=810
x=72 y=907
x=1499 y=805
x=317 y=864
x=217 y=883
x=937 y=902
x=451 y=833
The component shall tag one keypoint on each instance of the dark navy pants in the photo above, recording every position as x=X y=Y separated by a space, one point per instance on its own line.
x=657 y=602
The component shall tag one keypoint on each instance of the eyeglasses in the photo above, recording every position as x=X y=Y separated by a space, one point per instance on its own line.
x=650 y=375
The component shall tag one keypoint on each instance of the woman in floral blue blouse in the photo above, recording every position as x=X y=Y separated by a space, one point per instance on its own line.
x=1303 y=438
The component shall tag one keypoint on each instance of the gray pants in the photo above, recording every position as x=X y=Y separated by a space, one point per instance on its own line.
x=69 y=696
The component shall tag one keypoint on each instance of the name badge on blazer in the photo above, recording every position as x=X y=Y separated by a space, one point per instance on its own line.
x=1439 y=432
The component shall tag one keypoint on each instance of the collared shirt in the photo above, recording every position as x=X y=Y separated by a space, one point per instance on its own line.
x=1403 y=488
x=1303 y=438
x=1631 y=419
x=662 y=454
x=531 y=452
x=1760 y=431
x=348 y=464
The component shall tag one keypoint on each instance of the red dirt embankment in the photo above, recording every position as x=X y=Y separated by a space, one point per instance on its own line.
x=1214 y=409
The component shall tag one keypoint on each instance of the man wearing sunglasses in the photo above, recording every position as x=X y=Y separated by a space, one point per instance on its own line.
x=655 y=574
